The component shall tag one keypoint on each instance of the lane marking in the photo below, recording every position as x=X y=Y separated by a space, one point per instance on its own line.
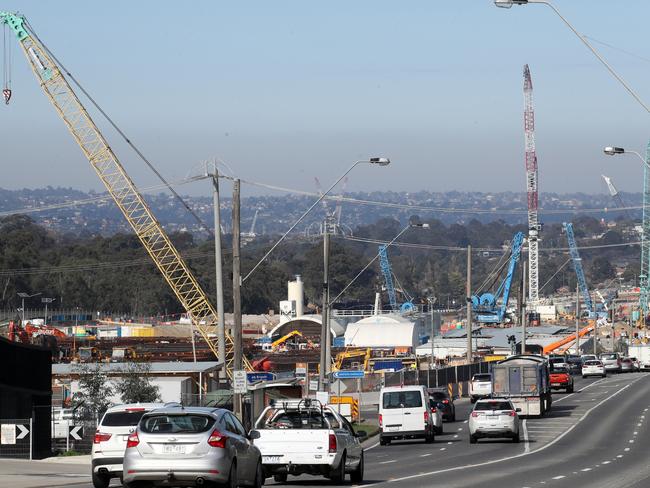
x=586 y=469
x=605 y=462
x=558 y=477
x=443 y=448
x=619 y=456
x=388 y=462
x=449 y=443
x=626 y=449
x=425 y=455
x=516 y=456
x=456 y=436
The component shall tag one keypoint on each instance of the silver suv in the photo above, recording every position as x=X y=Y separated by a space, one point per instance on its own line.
x=494 y=417
x=191 y=447
x=110 y=440
x=611 y=361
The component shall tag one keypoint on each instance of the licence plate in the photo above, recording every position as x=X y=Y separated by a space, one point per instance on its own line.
x=173 y=449
x=392 y=428
x=555 y=384
x=271 y=459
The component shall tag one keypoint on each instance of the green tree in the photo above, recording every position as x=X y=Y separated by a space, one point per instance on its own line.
x=95 y=391
x=134 y=385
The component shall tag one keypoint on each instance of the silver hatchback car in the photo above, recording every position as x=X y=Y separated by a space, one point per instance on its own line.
x=191 y=447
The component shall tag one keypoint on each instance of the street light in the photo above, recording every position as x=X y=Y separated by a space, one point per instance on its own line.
x=46 y=301
x=510 y=3
x=378 y=161
x=24 y=295
x=613 y=151
x=327 y=303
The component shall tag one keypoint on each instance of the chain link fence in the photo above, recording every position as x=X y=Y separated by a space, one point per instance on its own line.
x=16 y=438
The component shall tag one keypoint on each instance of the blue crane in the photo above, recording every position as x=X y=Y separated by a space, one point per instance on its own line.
x=386 y=270
x=577 y=266
x=486 y=306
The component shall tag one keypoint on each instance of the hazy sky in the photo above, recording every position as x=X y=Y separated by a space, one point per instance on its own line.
x=287 y=90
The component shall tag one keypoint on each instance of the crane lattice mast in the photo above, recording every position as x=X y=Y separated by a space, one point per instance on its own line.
x=531 y=189
x=644 y=292
x=577 y=266
x=120 y=186
x=386 y=270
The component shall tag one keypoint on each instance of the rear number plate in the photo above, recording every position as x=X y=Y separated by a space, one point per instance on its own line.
x=173 y=449
x=555 y=384
x=271 y=459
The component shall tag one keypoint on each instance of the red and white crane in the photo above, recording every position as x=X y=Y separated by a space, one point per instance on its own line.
x=531 y=188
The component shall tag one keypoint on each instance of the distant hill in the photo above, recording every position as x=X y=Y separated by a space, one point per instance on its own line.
x=94 y=213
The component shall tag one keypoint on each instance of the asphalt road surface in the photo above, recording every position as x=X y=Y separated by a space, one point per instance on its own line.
x=596 y=437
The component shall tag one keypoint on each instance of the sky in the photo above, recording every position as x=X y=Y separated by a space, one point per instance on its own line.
x=286 y=91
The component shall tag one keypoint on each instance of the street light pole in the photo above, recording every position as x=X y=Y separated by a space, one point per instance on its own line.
x=218 y=259
x=22 y=296
x=46 y=301
x=374 y=161
x=469 y=304
x=510 y=3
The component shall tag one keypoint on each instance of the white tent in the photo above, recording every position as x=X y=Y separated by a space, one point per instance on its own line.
x=382 y=331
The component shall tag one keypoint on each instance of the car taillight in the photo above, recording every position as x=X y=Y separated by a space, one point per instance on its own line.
x=426 y=416
x=445 y=401
x=332 y=448
x=217 y=439
x=381 y=420
x=512 y=413
x=433 y=410
x=101 y=437
x=133 y=440
x=474 y=414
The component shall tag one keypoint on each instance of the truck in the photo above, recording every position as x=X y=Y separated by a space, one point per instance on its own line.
x=304 y=437
x=642 y=353
x=525 y=380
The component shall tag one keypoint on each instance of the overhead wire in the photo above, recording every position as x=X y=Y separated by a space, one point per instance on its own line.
x=117 y=128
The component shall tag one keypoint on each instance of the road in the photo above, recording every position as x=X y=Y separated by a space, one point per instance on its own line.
x=596 y=438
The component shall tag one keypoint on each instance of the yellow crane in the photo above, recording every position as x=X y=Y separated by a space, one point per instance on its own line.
x=284 y=339
x=120 y=186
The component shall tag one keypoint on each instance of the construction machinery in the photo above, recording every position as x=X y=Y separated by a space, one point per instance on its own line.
x=616 y=196
x=276 y=344
x=357 y=359
x=29 y=332
x=172 y=266
x=577 y=266
x=250 y=235
x=565 y=343
x=534 y=226
x=491 y=308
x=387 y=272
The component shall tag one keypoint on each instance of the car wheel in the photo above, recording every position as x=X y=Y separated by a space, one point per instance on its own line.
x=383 y=441
x=338 y=476
x=100 y=481
x=603 y=376
x=569 y=389
x=280 y=478
x=472 y=439
x=259 y=476
x=232 y=482
x=583 y=377
x=440 y=430
x=516 y=437
x=357 y=475
x=429 y=437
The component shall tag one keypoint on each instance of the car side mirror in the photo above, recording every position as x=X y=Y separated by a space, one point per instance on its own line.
x=516 y=410
x=362 y=434
x=254 y=434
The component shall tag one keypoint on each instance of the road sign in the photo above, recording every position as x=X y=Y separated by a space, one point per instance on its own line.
x=255 y=377
x=239 y=383
x=23 y=431
x=76 y=432
x=301 y=370
x=313 y=385
x=349 y=374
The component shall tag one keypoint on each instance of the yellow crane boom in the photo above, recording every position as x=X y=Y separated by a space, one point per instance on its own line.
x=121 y=187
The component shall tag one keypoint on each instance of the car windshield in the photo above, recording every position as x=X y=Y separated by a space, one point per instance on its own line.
x=608 y=356
x=559 y=369
x=556 y=360
x=482 y=377
x=593 y=363
x=176 y=424
x=122 y=419
x=439 y=395
x=402 y=399
x=292 y=419
x=493 y=405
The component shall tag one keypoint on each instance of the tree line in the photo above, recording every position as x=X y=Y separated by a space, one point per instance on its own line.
x=115 y=273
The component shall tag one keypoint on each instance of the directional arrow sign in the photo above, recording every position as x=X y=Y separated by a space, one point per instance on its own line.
x=22 y=431
x=349 y=374
x=77 y=432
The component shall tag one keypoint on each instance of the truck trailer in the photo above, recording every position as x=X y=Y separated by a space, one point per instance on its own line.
x=525 y=380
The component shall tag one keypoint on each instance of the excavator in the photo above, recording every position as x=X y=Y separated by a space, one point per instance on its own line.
x=30 y=332
x=49 y=74
x=361 y=355
x=276 y=344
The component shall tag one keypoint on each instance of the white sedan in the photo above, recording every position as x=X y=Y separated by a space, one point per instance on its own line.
x=593 y=368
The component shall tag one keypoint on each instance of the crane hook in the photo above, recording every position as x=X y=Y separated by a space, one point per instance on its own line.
x=7 y=94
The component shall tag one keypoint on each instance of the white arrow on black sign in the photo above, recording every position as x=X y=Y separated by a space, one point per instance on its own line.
x=76 y=432
x=22 y=432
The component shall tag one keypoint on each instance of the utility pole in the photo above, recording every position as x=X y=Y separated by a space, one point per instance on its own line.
x=577 y=318
x=221 y=323
x=324 y=330
x=469 y=304
x=236 y=290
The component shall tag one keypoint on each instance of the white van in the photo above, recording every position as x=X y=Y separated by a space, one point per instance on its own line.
x=404 y=413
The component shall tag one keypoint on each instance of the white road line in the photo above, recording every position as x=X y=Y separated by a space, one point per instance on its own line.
x=508 y=458
x=371 y=447
x=425 y=455
x=626 y=449
x=449 y=443
x=443 y=448
x=605 y=462
x=456 y=436
x=583 y=389
x=631 y=441
x=460 y=429
x=586 y=469
x=526 y=440
x=633 y=433
x=388 y=462
x=559 y=477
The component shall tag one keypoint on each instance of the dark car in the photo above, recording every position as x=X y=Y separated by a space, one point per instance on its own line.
x=574 y=364
x=448 y=408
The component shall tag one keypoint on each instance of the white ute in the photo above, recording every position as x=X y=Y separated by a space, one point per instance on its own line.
x=304 y=437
